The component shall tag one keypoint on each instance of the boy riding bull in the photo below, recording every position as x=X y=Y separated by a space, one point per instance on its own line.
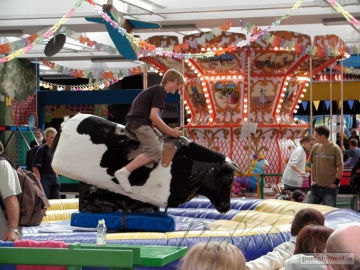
x=145 y=113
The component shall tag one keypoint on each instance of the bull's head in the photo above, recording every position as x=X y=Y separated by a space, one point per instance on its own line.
x=216 y=185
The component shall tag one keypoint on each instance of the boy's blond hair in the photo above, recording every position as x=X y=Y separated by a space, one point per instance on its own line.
x=50 y=130
x=213 y=256
x=172 y=75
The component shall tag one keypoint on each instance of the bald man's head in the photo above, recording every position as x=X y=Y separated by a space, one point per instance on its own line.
x=345 y=239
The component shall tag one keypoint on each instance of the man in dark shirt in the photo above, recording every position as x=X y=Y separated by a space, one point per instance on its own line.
x=42 y=166
x=144 y=113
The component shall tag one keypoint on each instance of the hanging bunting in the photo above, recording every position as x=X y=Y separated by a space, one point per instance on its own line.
x=351 y=104
x=304 y=104
x=353 y=21
x=100 y=74
x=99 y=85
x=316 y=104
x=327 y=104
x=50 y=32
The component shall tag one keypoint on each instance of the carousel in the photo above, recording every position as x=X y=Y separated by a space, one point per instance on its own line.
x=241 y=102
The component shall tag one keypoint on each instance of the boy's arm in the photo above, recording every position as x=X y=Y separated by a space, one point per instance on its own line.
x=160 y=124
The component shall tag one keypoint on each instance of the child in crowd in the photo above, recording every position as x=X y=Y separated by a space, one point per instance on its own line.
x=309 y=248
x=213 y=256
x=276 y=258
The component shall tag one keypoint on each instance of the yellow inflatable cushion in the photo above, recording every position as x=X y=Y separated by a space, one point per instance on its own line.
x=288 y=207
x=56 y=215
x=63 y=204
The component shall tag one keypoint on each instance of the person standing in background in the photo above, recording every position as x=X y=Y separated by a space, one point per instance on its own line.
x=353 y=153
x=9 y=189
x=42 y=166
x=326 y=169
x=295 y=172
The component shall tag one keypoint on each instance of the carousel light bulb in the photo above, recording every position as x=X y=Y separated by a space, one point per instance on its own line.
x=286 y=83
x=188 y=120
x=307 y=84
x=185 y=102
x=211 y=119
x=214 y=49
x=245 y=106
x=279 y=106
x=187 y=60
x=295 y=111
x=234 y=77
x=201 y=78
x=245 y=110
x=203 y=49
x=281 y=100
x=199 y=74
x=277 y=110
x=160 y=73
x=278 y=119
x=295 y=119
x=205 y=89
x=192 y=68
x=218 y=78
x=207 y=100
x=299 y=101
x=209 y=106
x=206 y=77
x=210 y=111
x=240 y=77
x=187 y=108
x=196 y=71
x=302 y=95
x=223 y=77
x=276 y=48
x=297 y=106
x=203 y=83
x=229 y=77
x=304 y=91
x=245 y=100
x=245 y=119
x=288 y=77
x=212 y=77
x=208 y=49
x=206 y=95
x=284 y=89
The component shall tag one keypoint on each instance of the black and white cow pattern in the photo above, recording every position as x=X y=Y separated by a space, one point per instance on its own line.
x=91 y=149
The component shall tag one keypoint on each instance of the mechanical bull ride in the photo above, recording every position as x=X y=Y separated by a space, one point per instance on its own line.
x=90 y=149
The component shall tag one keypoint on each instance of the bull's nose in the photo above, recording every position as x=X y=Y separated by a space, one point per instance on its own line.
x=224 y=208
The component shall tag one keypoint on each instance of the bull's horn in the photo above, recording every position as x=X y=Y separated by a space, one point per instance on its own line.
x=232 y=165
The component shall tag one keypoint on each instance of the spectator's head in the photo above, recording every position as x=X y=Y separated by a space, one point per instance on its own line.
x=353 y=132
x=172 y=80
x=38 y=133
x=308 y=142
x=306 y=216
x=321 y=133
x=297 y=196
x=312 y=239
x=50 y=134
x=1 y=147
x=213 y=256
x=345 y=239
x=353 y=143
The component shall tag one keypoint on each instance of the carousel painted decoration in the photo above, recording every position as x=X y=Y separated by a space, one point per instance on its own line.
x=241 y=103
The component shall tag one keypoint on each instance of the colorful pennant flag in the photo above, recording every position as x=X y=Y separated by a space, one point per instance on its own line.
x=327 y=104
x=316 y=104
x=305 y=104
